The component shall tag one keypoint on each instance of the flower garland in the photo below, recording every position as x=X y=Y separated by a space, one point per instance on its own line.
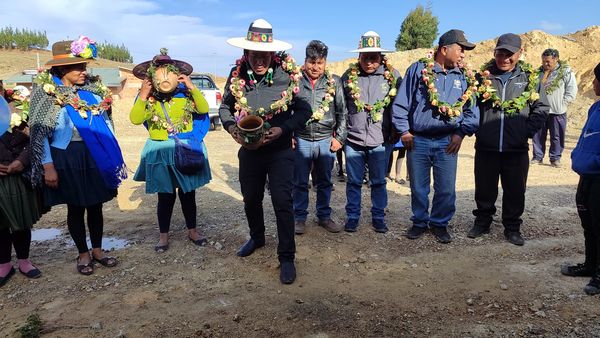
x=158 y=118
x=511 y=107
x=552 y=86
x=44 y=79
x=237 y=85
x=373 y=110
x=323 y=108
x=21 y=102
x=445 y=108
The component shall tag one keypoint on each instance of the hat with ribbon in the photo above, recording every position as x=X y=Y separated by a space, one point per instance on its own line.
x=72 y=52
x=370 y=42
x=160 y=60
x=260 y=38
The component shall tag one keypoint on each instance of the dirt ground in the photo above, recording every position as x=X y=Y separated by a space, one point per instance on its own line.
x=363 y=284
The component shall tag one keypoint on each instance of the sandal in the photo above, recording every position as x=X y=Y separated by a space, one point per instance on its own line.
x=161 y=248
x=33 y=273
x=85 y=269
x=106 y=261
x=202 y=241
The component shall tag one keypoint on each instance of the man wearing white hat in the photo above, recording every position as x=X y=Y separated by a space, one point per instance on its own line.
x=369 y=88
x=265 y=84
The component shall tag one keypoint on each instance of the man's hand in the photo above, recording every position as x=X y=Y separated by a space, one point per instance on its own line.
x=15 y=167
x=407 y=141
x=293 y=143
x=335 y=145
x=272 y=134
x=50 y=175
x=454 y=146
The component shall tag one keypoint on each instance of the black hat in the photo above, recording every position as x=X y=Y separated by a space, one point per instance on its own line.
x=510 y=42
x=455 y=36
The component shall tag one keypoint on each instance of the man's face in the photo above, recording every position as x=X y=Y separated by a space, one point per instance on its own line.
x=453 y=55
x=259 y=61
x=506 y=60
x=314 y=68
x=549 y=62
x=370 y=61
x=596 y=85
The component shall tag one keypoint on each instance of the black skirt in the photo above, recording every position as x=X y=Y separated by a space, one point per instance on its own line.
x=79 y=181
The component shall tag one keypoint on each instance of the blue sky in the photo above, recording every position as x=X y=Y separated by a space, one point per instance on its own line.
x=196 y=30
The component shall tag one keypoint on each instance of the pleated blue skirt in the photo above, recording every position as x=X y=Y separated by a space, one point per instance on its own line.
x=157 y=169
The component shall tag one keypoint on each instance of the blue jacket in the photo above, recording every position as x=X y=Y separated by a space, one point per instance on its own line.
x=411 y=110
x=585 y=158
x=63 y=132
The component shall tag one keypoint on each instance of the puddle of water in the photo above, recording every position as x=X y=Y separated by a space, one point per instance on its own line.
x=45 y=234
x=113 y=243
x=108 y=243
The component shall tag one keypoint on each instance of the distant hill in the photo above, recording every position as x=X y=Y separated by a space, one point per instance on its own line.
x=581 y=50
x=14 y=61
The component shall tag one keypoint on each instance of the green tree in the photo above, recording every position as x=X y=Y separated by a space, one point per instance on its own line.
x=419 y=29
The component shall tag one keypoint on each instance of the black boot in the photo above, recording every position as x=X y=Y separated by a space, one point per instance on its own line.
x=248 y=248
x=287 y=275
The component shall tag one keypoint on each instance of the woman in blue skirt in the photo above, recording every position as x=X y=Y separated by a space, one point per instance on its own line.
x=74 y=154
x=173 y=110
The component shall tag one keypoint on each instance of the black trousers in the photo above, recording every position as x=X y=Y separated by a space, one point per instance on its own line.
x=278 y=165
x=19 y=239
x=588 y=207
x=76 y=225
x=164 y=209
x=511 y=168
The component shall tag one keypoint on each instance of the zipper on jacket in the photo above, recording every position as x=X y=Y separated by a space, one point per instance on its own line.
x=502 y=119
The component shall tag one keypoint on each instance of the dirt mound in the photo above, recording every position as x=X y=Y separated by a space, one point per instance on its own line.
x=581 y=50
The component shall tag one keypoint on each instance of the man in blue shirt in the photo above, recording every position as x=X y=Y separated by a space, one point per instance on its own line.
x=433 y=111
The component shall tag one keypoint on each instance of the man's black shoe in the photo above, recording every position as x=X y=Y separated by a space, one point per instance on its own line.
x=514 y=237
x=593 y=287
x=441 y=234
x=248 y=248
x=287 y=274
x=579 y=270
x=415 y=232
x=478 y=231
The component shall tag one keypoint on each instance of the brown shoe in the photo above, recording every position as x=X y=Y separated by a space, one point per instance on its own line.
x=330 y=225
x=300 y=227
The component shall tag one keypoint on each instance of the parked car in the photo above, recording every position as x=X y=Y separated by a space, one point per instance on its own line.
x=212 y=94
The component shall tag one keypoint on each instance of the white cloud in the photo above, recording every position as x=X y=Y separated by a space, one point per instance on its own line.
x=138 y=24
x=248 y=16
x=550 y=26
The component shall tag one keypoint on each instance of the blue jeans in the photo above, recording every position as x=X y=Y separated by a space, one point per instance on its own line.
x=431 y=153
x=307 y=154
x=377 y=159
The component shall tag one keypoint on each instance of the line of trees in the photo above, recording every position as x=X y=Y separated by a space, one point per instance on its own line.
x=22 y=39
x=114 y=52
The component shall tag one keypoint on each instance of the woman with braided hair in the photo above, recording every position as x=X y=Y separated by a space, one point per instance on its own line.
x=75 y=157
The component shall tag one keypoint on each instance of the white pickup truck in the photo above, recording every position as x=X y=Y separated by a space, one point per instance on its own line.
x=212 y=94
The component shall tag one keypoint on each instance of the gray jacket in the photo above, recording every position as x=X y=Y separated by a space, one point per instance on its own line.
x=361 y=130
x=335 y=121
x=566 y=92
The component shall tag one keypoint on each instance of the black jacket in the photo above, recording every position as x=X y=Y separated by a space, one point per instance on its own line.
x=335 y=121
x=500 y=132
x=263 y=95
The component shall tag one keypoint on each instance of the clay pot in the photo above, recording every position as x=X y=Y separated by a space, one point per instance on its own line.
x=251 y=129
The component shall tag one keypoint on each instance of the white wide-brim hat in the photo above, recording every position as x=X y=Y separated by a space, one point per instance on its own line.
x=260 y=38
x=370 y=42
